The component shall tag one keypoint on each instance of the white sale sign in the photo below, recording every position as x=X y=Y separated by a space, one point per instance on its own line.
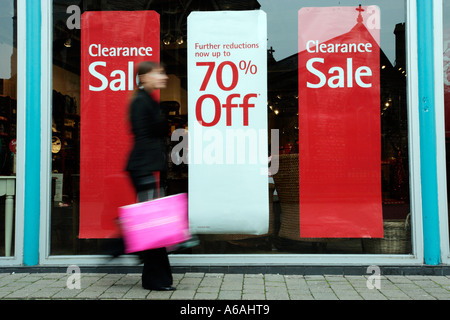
x=227 y=112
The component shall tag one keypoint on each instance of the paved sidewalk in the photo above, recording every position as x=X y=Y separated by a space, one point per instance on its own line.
x=220 y=286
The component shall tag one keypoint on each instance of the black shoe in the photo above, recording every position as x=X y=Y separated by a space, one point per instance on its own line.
x=170 y=288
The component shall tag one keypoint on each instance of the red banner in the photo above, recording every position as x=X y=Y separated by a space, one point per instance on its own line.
x=112 y=44
x=339 y=123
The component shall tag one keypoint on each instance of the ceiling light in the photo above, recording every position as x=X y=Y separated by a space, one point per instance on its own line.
x=68 y=43
x=167 y=39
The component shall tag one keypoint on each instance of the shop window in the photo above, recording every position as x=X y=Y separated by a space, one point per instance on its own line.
x=282 y=112
x=8 y=108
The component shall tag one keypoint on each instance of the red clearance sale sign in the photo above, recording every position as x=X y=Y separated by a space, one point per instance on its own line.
x=339 y=123
x=112 y=45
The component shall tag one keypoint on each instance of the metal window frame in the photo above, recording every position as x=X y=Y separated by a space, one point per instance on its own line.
x=46 y=135
x=416 y=258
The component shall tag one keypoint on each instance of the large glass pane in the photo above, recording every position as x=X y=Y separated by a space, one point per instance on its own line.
x=282 y=110
x=8 y=108
x=446 y=57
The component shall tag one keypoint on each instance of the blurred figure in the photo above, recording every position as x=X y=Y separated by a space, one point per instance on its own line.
x=146 y=158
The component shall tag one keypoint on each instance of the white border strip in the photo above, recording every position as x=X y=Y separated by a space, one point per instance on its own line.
x=243 y=260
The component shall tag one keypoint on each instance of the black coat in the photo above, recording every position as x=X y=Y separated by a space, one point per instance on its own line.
x=149 y=128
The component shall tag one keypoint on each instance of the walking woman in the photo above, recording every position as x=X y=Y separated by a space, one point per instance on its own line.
x=147 y=157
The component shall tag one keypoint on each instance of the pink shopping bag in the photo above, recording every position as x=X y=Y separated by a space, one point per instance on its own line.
x=155 y=224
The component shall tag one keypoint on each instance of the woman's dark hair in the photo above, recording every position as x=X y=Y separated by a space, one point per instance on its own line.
x=146 y=67
x=143 y=68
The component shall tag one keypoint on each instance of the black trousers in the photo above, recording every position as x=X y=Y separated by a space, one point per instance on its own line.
x=157 y=272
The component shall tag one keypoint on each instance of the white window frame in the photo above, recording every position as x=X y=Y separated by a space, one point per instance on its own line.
x=416 y=258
